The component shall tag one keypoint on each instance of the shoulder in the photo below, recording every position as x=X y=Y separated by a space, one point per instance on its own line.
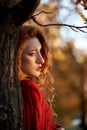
x=28 y=83
x=31 y=86
x=33 y=91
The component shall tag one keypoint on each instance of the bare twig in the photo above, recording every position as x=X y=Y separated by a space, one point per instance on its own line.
x=73 y=27
x=42 y=12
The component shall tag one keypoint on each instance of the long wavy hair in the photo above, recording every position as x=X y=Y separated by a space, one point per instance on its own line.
x=45 y=79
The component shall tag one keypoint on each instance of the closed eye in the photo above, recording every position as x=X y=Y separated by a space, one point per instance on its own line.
x=32 y=53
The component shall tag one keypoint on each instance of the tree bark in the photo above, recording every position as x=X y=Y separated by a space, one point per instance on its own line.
x=9 y=93
x=11 y=18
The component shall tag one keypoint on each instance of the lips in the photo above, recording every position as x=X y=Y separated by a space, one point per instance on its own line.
x=39 y=68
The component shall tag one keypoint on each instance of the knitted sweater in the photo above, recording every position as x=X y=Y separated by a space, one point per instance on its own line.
x=36 y=112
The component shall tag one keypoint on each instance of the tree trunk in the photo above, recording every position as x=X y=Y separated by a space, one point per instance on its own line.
x=11 y=18
x=9 y=91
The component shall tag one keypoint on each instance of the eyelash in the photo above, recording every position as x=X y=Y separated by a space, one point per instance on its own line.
x=32 y=53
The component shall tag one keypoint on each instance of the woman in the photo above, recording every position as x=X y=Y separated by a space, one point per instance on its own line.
x=33 y=73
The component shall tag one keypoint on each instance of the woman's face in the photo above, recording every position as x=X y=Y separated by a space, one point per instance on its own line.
x=32 y=59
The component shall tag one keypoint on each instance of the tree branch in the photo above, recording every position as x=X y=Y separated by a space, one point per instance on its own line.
x=73 y=27
x=41 y=13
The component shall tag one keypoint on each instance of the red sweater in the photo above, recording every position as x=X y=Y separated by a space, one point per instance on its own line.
x=36 y=112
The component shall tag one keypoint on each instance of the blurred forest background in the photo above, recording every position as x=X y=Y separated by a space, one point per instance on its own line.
x=69 y=61
x=68 y=47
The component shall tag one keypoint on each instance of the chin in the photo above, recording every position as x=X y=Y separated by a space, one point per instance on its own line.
x=37 y=75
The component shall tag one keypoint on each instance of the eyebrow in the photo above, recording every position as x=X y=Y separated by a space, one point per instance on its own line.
x=27 y=51
x=30 y=51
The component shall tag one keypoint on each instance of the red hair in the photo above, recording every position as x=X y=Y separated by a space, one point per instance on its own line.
x=27 y=32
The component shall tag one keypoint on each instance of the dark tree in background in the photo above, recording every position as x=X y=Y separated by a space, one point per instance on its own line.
x=12 y=14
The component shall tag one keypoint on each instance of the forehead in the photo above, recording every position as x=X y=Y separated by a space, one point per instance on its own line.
x=31 y=44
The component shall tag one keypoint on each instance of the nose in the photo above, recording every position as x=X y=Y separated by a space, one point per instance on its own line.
x=40 y=59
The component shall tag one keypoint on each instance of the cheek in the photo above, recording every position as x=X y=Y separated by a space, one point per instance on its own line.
x=25 y=63
x=25 y=60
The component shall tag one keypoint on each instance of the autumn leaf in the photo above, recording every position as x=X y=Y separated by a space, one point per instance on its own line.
x=81 y=14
